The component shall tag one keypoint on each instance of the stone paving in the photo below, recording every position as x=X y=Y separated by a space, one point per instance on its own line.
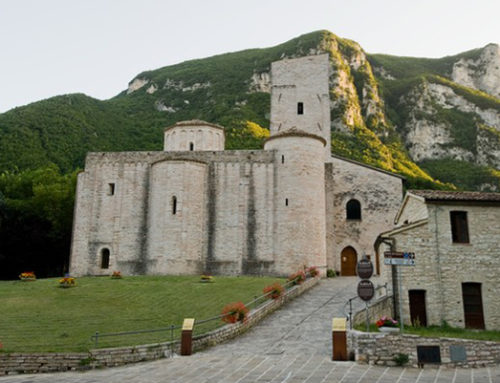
x=291 y=345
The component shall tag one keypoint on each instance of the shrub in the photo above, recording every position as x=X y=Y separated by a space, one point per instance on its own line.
x=275 y=290
x=401 y=359
x=297 y=278
x=234 y=312
x=331 y=273
x=312 y=271
x=207 y=279
x=116 y=275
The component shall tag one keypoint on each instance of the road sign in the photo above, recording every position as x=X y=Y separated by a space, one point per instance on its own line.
x=399 y=258
x=364 y=268
x=366 y=290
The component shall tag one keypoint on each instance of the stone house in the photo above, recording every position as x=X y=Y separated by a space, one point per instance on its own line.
x=195 y=207
x=455 y=237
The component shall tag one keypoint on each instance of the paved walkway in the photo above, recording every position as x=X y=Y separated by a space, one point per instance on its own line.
x=292 y=345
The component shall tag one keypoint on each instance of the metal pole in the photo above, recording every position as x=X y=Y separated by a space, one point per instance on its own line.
x=400 y=293
x=367 y=318
x=96 y=339
x=350 y=314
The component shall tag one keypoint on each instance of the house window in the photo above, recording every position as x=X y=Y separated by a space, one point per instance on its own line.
x=300 y=108
x=105 y=258
x=111 y=189
x=191 y=146
x=174 y=205
x=459 y=227
x=353 y=209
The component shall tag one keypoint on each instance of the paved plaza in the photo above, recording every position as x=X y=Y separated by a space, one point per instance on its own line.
x=291 y=345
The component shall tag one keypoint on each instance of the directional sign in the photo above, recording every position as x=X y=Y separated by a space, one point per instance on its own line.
x=399 y=258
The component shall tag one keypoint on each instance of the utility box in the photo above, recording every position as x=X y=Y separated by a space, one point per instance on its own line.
x=339 y=339
x=187 y=336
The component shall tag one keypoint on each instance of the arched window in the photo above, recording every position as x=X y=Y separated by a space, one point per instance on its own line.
x=105 y=258
x=174 y=205
x=353 y=209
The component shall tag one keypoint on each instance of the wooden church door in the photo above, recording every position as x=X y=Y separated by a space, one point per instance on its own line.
x=348 y=260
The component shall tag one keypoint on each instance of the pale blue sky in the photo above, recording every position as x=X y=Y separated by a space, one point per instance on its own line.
x=51 y=47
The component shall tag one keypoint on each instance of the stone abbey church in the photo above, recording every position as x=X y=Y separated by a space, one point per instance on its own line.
x=197 y=208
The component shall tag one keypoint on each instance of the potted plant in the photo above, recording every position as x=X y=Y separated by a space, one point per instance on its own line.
x=234 y=312
x=312 y=271
x=274 y=291
x=297 y=278
x=27 y=276
x=67 y=282
x=387 y=324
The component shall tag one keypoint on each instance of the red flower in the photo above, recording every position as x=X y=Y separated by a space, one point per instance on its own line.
x=234 y=312
x=275 y=290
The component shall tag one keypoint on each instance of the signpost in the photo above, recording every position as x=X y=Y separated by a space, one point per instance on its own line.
x=399 y=258
x=366 y=290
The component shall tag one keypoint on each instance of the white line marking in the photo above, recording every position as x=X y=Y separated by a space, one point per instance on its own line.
x=437 y=375
x=312 y=373
x=364 y=373
x=419 y=374
x=266 y=358
x=401 y=375
x=380 y=377
x=347 y=372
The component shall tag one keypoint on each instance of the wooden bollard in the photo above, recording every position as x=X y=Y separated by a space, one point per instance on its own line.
x=339 y=339
x=187 y=336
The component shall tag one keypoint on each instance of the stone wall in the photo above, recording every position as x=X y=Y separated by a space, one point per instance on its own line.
x=383 y=306
x=379 y=193
x=380 y=349
x=15 y=363
x=442 y=266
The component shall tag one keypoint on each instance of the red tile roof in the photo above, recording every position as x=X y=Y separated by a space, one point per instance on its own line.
x=442 y=195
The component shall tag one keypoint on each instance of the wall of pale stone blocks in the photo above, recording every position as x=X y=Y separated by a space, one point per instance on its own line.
x=379 y=194
x=299 y=236
x=292 y=83
x=201 y=137
x=443 y=266
x=380 y=349
x=413 y=210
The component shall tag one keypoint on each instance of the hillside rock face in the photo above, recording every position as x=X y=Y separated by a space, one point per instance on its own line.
x=429 y=135
x=482 y=73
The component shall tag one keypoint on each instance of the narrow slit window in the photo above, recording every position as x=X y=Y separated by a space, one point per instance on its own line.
x=300 y=108
x=286 y=201
x=105 y=258
x=174 y=205
x=111 y=189
x=191 y=146
x=282 y=159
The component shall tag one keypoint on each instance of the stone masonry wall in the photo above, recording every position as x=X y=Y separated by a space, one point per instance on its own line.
x=380 y=349
x=379 y=194
x=441 y=266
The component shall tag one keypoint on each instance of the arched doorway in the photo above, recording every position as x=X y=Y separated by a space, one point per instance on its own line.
x=348 y=260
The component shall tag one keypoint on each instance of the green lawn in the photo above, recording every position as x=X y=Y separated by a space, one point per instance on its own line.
x=41 y=316
x=443 y=332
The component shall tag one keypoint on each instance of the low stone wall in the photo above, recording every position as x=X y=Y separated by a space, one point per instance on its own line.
x=382 y=306
x=18 y=363
x=380 y=349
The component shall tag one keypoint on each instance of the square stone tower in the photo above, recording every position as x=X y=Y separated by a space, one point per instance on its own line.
x=300 y=97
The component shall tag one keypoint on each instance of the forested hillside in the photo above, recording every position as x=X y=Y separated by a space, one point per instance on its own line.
x=435 y=121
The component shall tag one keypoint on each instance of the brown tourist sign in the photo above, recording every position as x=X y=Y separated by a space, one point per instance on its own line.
x=364 y=269
x=366 y=290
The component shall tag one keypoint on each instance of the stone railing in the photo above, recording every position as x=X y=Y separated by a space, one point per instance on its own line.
x=15 y=363
x=380 y=349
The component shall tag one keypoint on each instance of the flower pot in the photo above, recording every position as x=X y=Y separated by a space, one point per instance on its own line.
x=388 y=329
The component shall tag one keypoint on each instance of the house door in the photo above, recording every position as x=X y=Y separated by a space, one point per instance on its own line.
x=348 y=260
x=473 y=305
x=418 y=313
